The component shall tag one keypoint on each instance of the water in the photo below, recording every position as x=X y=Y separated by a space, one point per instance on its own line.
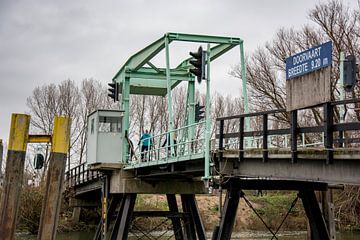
x=245 y=236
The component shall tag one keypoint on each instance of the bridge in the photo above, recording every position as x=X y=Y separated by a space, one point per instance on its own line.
x=270 y=150
x=265 y=159
x=278 y=152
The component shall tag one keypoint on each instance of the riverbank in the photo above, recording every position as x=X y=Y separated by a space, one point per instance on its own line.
x=254 y=235
x=271 y=206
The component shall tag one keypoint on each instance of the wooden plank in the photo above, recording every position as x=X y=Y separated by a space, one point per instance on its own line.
x=308 y=90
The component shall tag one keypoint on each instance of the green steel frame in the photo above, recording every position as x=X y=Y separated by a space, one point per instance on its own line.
x=139 y=76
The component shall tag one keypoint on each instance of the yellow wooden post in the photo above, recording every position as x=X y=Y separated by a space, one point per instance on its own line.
x=1 y=157
x=19 y=132
x=55 y=179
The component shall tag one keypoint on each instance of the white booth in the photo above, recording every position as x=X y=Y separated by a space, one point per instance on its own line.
x=104 y=137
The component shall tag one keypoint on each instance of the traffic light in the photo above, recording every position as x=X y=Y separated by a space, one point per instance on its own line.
x=199 y=112
x=350 y=70
x=114 y=91
x=38 y=161
x=198 y=63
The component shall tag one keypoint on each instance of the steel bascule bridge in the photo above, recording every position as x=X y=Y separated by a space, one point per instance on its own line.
x=235 y=159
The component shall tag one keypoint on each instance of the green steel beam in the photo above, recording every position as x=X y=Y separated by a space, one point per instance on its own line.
x=216 y=52
x=149 y=73
x=156 y=82
x=191 y=109
x=143 y=56
x=169 y=97
x=153 y=66
x=125 y=105
x=207 y=118
x=195 y=156
x=202 y=38
x=135 y=78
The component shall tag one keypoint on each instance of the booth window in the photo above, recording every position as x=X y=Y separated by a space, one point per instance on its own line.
x=110 y=124
x=92 y=125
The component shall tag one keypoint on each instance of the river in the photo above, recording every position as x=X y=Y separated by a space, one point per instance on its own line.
x=242 y=236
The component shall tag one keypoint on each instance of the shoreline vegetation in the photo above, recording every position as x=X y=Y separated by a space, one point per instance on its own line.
x=272 y=206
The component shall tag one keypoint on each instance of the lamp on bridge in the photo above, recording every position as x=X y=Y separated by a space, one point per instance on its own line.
x=350 y=71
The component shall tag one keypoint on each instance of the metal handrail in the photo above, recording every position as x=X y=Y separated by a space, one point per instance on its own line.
x=185 y=145
x=80 y=174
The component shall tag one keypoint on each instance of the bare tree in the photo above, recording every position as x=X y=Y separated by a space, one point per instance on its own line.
x=332 y=20
x=67 y=99
x=93 y=96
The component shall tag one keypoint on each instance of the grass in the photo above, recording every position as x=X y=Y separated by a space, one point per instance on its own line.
x=273 y=207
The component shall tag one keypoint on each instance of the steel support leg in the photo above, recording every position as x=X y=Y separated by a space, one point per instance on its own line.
x=173 y=207
x=195 y=216
x=97 y=235
x=229 y=213
x=126 y=216
x=313 y=212
x=115 y=230
x=104 y=209
x=188 y=221
x=110 y=211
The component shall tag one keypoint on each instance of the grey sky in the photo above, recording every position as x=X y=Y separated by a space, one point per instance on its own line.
x=50 y=41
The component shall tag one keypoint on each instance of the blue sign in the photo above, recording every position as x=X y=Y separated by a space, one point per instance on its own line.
x=308 y=61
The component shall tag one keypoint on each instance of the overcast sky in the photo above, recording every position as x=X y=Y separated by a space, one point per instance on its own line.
x=49 y=41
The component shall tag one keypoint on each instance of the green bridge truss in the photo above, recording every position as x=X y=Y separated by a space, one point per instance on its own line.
x=140 y=76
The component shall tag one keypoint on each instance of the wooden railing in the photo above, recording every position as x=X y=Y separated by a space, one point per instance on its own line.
x=328 y=129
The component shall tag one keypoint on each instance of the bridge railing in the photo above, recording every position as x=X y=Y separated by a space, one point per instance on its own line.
x=235 y=136
x=80 y=174
x=186 y=141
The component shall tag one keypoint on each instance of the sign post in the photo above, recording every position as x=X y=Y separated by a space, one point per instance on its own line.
x=308 y=77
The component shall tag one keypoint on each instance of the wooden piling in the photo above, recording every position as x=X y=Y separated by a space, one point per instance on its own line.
x=1 y=158
x=55 y=179
x=327 y=206
x=14 y=172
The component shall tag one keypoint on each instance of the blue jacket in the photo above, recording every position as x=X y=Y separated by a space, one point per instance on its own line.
x=146 y=139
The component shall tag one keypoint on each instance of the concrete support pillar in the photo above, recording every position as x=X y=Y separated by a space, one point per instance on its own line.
x=55 y=179
x=76 y=214
x=19 y=133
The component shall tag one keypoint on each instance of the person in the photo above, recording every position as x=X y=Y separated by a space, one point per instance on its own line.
x=131 y=149
x=169 y=143
x=146 y=143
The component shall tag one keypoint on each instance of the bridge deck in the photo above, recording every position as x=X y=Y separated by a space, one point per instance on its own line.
x=311 y=165
x=234 y=155
x=302 y=153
